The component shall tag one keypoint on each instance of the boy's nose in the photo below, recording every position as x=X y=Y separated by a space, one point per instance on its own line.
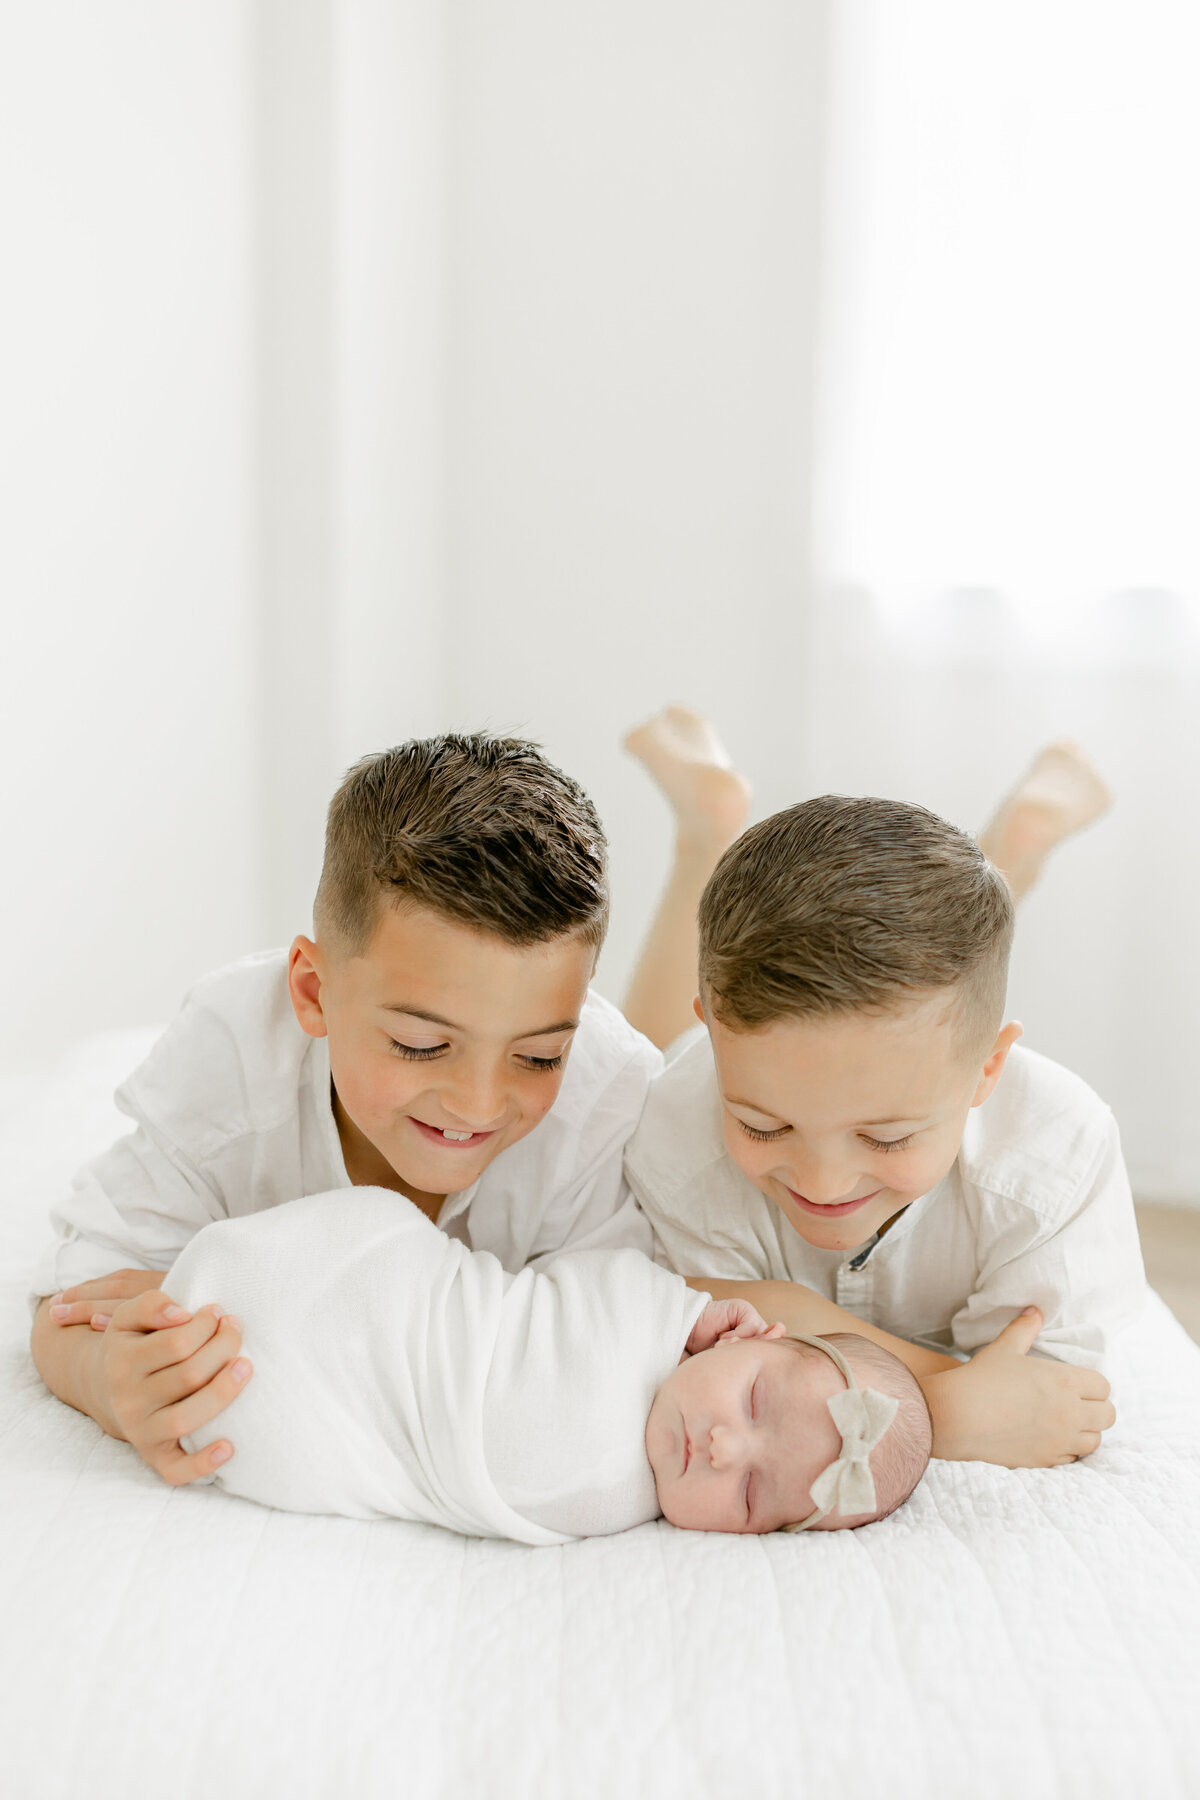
x=479 y=1103
x=824 y=1184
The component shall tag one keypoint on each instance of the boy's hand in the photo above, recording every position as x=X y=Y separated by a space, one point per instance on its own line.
x=161 y=1372
x=1019 y=1411
x=93 y=1302
x=724 y=1319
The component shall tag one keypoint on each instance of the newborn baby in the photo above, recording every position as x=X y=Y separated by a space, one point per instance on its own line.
x=771 y=1433
x=399 y=1374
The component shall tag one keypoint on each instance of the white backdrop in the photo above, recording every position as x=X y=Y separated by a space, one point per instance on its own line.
x=401 y=364
x=1007 y=537
x=378 y=366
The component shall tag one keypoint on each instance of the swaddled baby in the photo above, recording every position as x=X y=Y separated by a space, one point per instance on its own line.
x=398 y=1374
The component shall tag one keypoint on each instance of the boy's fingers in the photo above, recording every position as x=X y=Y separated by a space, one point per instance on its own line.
x=149 y=1311
x=77 y=1312
x=101 y=1286
x=188 y=1415
x=1101 y=1414
x=191 y=1373
x=1020 y=1334
x=177 y=1468
x=109 y=1290
x=1088 y=1441
x=177 y=1344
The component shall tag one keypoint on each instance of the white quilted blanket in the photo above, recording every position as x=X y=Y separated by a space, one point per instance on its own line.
x=1034 y=1634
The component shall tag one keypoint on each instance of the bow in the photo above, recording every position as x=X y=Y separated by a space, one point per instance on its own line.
x=847 y=1485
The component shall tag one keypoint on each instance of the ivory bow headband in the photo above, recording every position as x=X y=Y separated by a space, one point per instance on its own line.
x=862 y=1416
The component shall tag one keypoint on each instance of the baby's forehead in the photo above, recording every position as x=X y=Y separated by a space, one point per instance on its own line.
x=803 y=1437
x=800 y=1371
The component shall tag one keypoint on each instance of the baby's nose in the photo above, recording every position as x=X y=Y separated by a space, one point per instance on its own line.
x=724 y=1446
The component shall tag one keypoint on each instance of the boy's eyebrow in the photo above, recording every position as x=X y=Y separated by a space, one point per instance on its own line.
x=863 y=1124
x=417 y=1012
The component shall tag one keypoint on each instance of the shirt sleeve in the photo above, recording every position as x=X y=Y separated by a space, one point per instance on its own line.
x=607 y=1218
x=596 y=1209
x=136 y=1206
x=1081 y=1265
x=138 y=1203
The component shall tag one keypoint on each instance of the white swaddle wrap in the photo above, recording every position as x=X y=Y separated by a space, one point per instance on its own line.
x=398 y=1374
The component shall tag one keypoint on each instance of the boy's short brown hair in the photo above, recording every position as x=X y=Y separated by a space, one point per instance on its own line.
x=483 y=830
x=840 y=905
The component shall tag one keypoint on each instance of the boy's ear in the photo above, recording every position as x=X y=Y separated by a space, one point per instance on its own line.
x=305 y=966
x=997 y=1057
x=698 y=1009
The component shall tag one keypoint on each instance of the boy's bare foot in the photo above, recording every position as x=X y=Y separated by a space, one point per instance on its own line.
x=1060 y=794
x=684 y=755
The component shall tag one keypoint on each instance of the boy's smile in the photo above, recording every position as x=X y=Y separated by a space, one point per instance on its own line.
x=446 y=1044
x=843 y=1121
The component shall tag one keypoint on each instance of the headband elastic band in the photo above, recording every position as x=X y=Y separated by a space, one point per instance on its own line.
x=862 y=1416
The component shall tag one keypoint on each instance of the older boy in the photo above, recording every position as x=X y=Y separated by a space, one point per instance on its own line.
x=439 y=1016
x=831 y=1129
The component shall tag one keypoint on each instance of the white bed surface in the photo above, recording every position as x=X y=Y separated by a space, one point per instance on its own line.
x=1033 y=1633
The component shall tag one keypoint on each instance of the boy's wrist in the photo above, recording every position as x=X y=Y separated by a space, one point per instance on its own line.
x=69 y=1359
x=948 y=1442
x=93 y=1381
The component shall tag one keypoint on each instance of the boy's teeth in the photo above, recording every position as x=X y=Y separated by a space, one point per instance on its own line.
x=457 y=1137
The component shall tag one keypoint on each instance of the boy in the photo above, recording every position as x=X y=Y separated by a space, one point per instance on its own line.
x=435 y=1037
x=831 y=1129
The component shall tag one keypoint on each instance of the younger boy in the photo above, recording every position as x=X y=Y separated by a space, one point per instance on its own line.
x=435 y=1037
x=831 y=1129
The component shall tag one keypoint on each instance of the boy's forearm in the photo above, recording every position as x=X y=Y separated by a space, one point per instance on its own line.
x=65 y=1357
x=802 y=1310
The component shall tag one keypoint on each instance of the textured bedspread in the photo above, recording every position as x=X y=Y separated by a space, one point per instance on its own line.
x=1032 y=1634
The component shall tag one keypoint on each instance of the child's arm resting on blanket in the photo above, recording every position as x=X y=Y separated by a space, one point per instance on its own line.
x=152 y=1375
x=1003 y=1406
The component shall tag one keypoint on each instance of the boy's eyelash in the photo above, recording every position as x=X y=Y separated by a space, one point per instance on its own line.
x=883 y=1144
x=411 y=1053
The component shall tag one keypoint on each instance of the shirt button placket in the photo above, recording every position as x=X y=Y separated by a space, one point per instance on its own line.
x=855 y=1286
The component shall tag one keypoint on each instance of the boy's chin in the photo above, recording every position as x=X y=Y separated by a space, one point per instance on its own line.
x=443 y=1173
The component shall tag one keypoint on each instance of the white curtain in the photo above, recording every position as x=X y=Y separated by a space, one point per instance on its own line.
x=1006 y=512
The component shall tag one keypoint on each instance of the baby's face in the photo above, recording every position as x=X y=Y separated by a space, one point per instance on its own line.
x=737 y=1435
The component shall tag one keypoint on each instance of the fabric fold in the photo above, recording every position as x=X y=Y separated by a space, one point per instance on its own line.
x=398 y=1374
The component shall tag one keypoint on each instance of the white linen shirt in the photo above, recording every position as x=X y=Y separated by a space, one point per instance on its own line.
x=1035 y=1211
x=232 y=1113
